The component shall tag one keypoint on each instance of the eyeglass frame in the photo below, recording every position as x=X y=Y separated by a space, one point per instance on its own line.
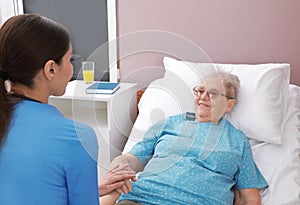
x=210 y=94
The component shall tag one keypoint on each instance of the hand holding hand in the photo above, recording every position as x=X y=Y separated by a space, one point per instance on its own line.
x=127 y=186
x=118 y=179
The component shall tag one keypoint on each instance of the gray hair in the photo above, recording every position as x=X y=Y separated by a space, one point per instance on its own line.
x=230 y=81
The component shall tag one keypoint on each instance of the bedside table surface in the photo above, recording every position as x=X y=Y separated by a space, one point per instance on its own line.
x=76 y=90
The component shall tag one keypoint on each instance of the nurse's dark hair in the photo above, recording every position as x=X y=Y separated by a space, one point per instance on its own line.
x=27 y=42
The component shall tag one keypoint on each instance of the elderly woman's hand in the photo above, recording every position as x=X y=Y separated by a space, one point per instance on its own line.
x=117 y=179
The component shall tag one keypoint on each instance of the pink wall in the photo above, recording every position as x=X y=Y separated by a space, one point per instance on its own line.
x=231 y=31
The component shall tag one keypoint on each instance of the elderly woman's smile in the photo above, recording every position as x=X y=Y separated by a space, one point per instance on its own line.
x=211 y=100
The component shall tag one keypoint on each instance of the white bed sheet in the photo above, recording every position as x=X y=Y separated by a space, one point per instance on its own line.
x=280 y=164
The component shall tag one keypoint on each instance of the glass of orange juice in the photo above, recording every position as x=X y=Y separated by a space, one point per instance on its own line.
x=88 y=70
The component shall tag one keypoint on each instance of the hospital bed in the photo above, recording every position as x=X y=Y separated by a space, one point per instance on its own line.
x=268 y=112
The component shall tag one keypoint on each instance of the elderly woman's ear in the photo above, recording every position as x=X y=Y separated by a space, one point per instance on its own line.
x=230 y=105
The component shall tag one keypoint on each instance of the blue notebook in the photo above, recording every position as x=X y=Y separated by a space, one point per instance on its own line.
x=102 y=88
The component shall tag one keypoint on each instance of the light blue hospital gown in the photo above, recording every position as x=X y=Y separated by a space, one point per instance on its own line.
x=193 y=163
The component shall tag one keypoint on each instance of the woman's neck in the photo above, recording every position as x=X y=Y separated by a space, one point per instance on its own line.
x=215 y=121
x=37 y=94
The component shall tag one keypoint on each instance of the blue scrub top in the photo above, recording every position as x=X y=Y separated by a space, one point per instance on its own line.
x=48 y=159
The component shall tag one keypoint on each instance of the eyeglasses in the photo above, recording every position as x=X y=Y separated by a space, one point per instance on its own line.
x=212 y=94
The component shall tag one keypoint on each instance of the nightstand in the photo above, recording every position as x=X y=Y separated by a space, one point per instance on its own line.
x=111 y=115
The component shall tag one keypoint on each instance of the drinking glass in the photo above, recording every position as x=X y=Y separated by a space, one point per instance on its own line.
x=88 y=69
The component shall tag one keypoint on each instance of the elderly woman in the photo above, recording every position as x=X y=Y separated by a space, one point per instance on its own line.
x=196 y=158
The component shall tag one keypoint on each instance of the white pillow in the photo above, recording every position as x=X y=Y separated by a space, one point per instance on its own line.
x=262 y=97
x=160 y=100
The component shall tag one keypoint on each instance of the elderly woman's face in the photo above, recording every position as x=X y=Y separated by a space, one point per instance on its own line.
x=210 y=102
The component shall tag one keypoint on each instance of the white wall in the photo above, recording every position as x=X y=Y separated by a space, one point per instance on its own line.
x=10 y=8
x=6 y=9
x=0 y=15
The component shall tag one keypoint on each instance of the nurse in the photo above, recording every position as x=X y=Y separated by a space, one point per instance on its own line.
x=45 y=158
